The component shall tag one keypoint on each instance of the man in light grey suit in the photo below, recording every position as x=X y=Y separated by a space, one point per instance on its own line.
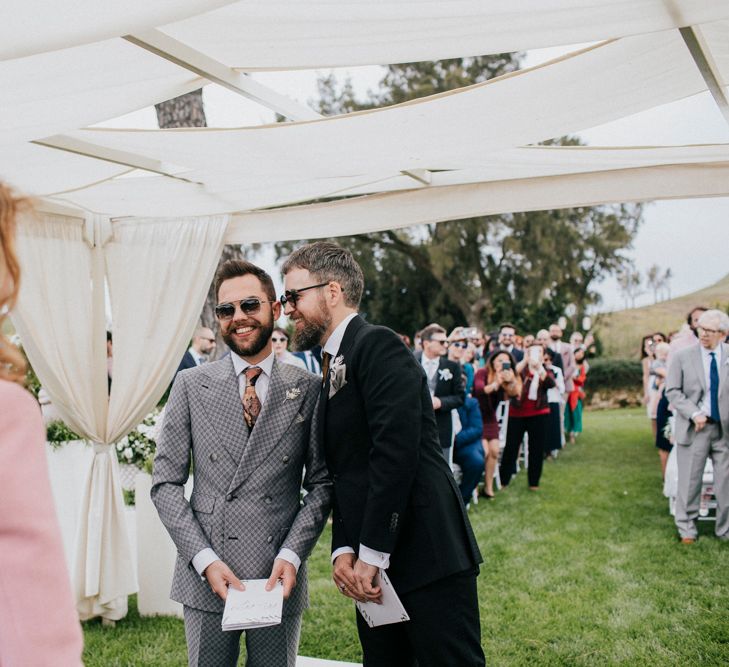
x=698 y=388
x=246 y=424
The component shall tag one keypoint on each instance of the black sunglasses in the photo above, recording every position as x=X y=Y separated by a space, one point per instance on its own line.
x=292 y=295
x=249 y=306
x=278 y=340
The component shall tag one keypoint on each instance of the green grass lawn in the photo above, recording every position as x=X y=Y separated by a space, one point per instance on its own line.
x=586 y=572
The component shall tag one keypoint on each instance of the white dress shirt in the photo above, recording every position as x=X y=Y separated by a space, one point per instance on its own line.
x=369 y=556
x=705 y=406
x=196 y=356
x=202 y=559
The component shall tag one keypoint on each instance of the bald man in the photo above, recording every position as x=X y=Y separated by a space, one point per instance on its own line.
x=203 y=344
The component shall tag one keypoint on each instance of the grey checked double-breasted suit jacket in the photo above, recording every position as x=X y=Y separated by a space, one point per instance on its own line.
x=245 y=502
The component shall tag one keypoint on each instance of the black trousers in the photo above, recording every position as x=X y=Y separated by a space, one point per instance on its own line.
x=443 y=631
x=537 y=428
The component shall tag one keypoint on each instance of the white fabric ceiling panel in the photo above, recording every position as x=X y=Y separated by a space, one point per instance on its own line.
x=157 y=195
x=38 y=170
x=715 y=39
x=36 y=26
x=299 y=34
x=53 y=92
x=449 y=131
x=430 y=205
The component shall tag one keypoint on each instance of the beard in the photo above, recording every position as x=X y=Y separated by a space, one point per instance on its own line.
x=315 y=326
x=554 y=337
x=257 y=342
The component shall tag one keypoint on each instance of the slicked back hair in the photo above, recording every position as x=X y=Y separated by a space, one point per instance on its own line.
x=327 y=261
x=430 y=331
x=234 y=268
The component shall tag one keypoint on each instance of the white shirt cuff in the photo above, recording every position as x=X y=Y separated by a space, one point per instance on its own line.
x=340 y=551
x=698 y=412
x=372 y=557
x=202 y=559
x=291 y=557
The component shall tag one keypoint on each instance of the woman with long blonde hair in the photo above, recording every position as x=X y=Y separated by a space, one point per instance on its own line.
x=38 y=621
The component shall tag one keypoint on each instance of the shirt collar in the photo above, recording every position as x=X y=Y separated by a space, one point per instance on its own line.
x=240 y=364
x=334 y=341
x=194 y=354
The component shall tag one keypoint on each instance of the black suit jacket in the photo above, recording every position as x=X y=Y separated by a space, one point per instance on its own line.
x=187 y=362
x=393 y=490
x=452 y=395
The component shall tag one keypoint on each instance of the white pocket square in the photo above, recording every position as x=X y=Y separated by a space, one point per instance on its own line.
x=299 y=418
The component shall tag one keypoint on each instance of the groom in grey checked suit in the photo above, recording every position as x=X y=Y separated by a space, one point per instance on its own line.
x=246 y=425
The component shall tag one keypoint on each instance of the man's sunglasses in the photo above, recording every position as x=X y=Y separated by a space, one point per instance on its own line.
x=249 y=306
x=292 y=295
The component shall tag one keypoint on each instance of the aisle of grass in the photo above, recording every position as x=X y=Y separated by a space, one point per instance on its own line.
x=586 y=572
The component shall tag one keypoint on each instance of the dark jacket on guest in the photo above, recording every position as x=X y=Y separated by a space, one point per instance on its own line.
x=541 y=404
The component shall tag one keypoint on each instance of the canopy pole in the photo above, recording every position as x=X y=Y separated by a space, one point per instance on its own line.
x=692 y=37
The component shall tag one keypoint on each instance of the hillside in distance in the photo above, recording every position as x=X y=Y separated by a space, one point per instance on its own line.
x=621 y=331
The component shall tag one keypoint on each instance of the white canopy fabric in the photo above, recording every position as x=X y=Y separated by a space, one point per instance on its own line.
x=300 y=34
x=37 y=26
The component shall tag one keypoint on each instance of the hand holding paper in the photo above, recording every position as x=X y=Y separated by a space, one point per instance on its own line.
x=253 y=607
x=390 y=610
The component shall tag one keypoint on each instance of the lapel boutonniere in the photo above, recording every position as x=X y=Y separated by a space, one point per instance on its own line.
x=292 y=394
x=337 y=375
x=445 y=374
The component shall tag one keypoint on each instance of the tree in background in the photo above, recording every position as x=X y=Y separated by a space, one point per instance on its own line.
x=188 y=111
x=521 y=267
x=630 y=283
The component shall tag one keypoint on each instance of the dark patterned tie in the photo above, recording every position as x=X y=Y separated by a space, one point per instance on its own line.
x=251 y=404
x=325 y=359
x=714 y=389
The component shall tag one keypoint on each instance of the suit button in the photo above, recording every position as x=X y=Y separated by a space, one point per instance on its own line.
x=229 y=497
x=285 y=459
x=213 y=457
x=268 y=500
x=269 y=539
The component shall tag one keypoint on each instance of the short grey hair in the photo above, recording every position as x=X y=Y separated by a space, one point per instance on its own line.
x=714 y=319
x=327 y=261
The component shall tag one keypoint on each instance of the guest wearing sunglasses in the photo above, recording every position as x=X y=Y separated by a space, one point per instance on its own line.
x=280 y=341
x=247 y=423
x=457 y=347
x=202 y=346
x=396 y=504
x=444 y=382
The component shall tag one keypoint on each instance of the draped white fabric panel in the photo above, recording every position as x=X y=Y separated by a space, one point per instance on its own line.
x=53 y=92
x=431 y=205
x=35 y=26
x=159 y=272
x=297 y=34
x=56 y=264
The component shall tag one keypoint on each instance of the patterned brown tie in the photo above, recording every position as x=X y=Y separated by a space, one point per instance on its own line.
x=251 y=404
x=325 y=359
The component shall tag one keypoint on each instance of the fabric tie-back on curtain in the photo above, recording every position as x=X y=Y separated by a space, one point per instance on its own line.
x=61 y=320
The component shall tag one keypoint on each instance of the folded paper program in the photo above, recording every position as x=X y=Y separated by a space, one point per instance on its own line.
x=255 y=607
x=391 y=609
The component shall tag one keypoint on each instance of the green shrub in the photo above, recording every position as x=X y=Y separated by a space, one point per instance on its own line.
x=57 y=433
x=614 y=374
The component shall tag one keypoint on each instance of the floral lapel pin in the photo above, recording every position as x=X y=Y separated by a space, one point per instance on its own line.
x=292 y=394
x=337 y=375
x=445 y=374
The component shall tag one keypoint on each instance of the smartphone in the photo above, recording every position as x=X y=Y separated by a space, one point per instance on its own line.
x=506 y=366
x=470 y=332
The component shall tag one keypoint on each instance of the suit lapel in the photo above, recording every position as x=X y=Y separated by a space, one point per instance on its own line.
x=220 y=397
x=724 y=368
x=281 y=406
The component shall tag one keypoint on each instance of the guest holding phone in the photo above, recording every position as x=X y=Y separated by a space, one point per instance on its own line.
x=528 y=413
x=492 y=384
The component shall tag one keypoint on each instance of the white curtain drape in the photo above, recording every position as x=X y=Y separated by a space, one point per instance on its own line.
x=158 y=274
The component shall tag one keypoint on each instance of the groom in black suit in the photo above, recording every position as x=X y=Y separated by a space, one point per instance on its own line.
x=396 y=504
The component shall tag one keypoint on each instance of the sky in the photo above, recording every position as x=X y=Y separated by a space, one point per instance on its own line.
x=674 y=233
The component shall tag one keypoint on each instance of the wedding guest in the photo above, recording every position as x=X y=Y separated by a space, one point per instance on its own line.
x=201 y=347
x=468 y=452
x=527 y=341
x=554 y=398
x=494 y=383
x=529 y=413
x=280 y=342
x=507 y=336
x=38 y=621
x=658 y=372
x=576 y=397
x=457 y=347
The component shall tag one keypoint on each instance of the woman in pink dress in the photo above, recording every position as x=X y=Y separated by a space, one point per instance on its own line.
x=38 y=622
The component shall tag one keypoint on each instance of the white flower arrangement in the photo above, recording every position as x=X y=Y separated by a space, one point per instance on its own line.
x=445 y=374
x=292 y=394
x=139 y=445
